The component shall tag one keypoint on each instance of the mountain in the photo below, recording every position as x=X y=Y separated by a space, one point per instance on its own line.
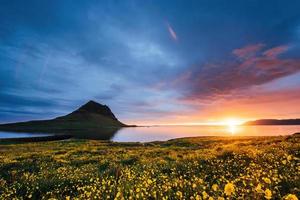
x=95 y=108
x=92 y=119
x=274 y=122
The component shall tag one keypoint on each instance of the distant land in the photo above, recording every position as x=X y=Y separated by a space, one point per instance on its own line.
x=92 y=120
x=274 y=122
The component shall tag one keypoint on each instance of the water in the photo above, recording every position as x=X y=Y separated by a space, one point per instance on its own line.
x=163 y=133
x=4 y=135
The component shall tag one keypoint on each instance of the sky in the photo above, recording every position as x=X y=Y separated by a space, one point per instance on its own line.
x=150 y=61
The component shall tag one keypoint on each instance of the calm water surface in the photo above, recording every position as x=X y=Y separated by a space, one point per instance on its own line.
x=162 y=133
x=20 y=135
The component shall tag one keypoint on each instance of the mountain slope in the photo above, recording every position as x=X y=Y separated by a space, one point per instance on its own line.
x=89 y=118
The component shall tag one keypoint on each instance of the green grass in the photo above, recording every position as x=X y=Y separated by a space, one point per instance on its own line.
x=188 y=168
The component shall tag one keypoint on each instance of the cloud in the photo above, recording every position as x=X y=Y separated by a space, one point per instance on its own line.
x=248 y=51
x=250 y=66
x=172 y=32
x=274 y=52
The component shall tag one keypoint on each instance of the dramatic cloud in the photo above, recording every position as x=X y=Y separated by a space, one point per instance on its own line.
x=251 y=66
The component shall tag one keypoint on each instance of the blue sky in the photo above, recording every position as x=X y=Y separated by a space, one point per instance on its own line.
x=150 y=61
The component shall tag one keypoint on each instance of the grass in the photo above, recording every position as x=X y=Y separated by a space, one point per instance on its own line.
x=188 y=168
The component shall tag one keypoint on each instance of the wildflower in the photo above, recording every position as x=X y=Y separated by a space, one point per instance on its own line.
x=221 y=198
x=229 y=189
x=258 y=189
x=268 y=194
x=289 y=158
x=67 y=197
x=179 y=194
x=283 y=162
x=194 y=185
x=214 y=187
x=198 y=197
x=267 y=180
x=118 y=194
x=290 y=197
x=205 y=195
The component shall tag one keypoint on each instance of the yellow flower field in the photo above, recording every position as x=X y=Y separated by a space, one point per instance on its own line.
x=189 y=168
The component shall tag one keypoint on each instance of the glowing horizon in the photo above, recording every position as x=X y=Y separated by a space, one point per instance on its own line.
x=224 y=122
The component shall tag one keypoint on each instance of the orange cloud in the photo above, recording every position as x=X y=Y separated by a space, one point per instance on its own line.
x=248 y=51
x=274 y=52
x=252 y=67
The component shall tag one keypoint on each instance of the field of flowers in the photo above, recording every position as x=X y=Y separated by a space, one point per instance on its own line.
x=189 y=168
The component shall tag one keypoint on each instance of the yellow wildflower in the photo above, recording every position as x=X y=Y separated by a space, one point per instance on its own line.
x=268 y=194
x=179 y=194
x=267 y=180
x=229 y=189
x=283 y=162
x=258 y=189
x=205 y=195
x=291 y=197
x=118 y=194
x=214 y=187
x=221 y=198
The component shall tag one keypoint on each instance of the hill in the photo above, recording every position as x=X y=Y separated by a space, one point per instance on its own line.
x=90 y=120
x=274 y=122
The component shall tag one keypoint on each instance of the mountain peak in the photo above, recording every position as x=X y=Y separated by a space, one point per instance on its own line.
x=93 y=103
x=96 y=108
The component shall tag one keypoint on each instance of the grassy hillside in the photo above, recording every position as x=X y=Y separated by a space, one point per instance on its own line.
x=190 y=168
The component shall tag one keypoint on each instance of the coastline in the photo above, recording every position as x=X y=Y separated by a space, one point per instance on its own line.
x=35 y=139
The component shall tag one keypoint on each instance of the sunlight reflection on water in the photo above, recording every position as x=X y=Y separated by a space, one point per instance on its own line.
x=162 y=133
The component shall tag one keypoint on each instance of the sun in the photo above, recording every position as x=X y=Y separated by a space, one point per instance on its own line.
x=232 y=124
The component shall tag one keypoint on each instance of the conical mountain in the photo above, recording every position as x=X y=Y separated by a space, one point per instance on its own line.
x=95 y=108
x=95 y=114
x=92 y=117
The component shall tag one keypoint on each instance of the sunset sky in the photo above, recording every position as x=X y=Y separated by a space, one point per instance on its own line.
x=152 y=62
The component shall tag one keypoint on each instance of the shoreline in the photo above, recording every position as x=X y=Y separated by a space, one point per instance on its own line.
x=65 y=137
x=36 y=139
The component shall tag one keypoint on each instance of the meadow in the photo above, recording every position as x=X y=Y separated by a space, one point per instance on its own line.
x=188 y=168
